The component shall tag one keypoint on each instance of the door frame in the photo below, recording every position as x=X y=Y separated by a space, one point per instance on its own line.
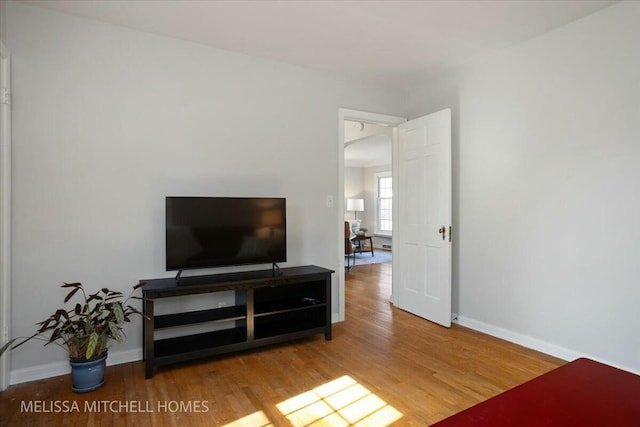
x=367 y=117
x=5 y=214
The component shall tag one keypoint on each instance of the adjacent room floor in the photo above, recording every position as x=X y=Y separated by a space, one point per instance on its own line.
x=383 y=366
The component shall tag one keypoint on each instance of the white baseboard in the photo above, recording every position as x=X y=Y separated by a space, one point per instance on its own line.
x=379 y=247
x=518 y=338
x=530 y=342
x=62 y=368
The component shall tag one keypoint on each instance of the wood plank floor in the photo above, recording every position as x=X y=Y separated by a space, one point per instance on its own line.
x=383 y=367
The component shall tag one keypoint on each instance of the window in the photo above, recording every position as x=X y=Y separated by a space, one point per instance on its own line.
x=384 y=222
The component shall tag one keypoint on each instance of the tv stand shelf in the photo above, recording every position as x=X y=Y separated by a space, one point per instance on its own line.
x=270 y=307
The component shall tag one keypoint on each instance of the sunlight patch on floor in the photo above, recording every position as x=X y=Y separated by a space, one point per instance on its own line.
x=342 y=402
x=257 y=419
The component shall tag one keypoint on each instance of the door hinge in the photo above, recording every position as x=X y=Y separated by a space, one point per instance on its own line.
x=4 y=96
x=449 y=233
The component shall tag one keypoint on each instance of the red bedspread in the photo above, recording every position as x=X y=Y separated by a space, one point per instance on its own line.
x=580 y=393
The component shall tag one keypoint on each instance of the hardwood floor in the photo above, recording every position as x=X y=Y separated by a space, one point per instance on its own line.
x=383 y=366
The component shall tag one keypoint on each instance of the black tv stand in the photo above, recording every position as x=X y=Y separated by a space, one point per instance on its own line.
x=271 y=306
x=178 y=276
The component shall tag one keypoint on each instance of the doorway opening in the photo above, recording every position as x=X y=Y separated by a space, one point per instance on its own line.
x=368 y=191
x=366 y=146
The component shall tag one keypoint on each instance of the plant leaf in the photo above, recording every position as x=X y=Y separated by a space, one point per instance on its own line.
x=55 y=335
x=115 y=332
x=117 y=310
x=71 y=294
x=94 y=296
x=71 y=285
x=91 y=345
x=6 y=345
x=133 y=310
x=44 y=325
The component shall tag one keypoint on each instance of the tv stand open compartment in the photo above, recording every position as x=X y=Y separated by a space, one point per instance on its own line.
x=269 y=309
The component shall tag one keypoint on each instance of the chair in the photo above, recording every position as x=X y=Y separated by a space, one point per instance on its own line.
x=349 y=247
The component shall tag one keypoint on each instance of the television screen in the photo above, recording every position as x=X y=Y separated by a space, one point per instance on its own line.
x=222 y=231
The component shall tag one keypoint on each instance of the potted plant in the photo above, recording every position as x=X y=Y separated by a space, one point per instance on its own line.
x=84 y=331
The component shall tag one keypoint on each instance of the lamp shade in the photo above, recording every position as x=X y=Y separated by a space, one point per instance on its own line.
x=356 y=205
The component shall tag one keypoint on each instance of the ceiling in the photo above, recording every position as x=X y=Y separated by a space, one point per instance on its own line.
x=372 y=151
x=390 y=43
x=367 y=144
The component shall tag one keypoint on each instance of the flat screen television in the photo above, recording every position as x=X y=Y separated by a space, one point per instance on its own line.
x=224 y=231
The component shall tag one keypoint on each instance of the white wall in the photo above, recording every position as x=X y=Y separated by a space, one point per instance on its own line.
x=3 y=21
x=108 y=121
x=353 y=187
x=547 y=194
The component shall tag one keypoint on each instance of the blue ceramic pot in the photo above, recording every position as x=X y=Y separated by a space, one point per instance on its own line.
x=88 y=375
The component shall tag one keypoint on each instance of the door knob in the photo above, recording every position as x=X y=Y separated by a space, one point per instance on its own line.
x=443 y=231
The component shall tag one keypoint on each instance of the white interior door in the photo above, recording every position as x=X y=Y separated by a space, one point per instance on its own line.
x=422 y=239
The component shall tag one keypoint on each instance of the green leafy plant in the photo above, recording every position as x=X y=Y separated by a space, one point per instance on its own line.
x=85 y=330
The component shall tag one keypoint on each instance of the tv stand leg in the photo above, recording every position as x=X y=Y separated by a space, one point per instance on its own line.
x=148 y=371
x=275 y=270
x=148 y=341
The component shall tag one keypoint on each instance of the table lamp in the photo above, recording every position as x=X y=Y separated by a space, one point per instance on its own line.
x=355 y=205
